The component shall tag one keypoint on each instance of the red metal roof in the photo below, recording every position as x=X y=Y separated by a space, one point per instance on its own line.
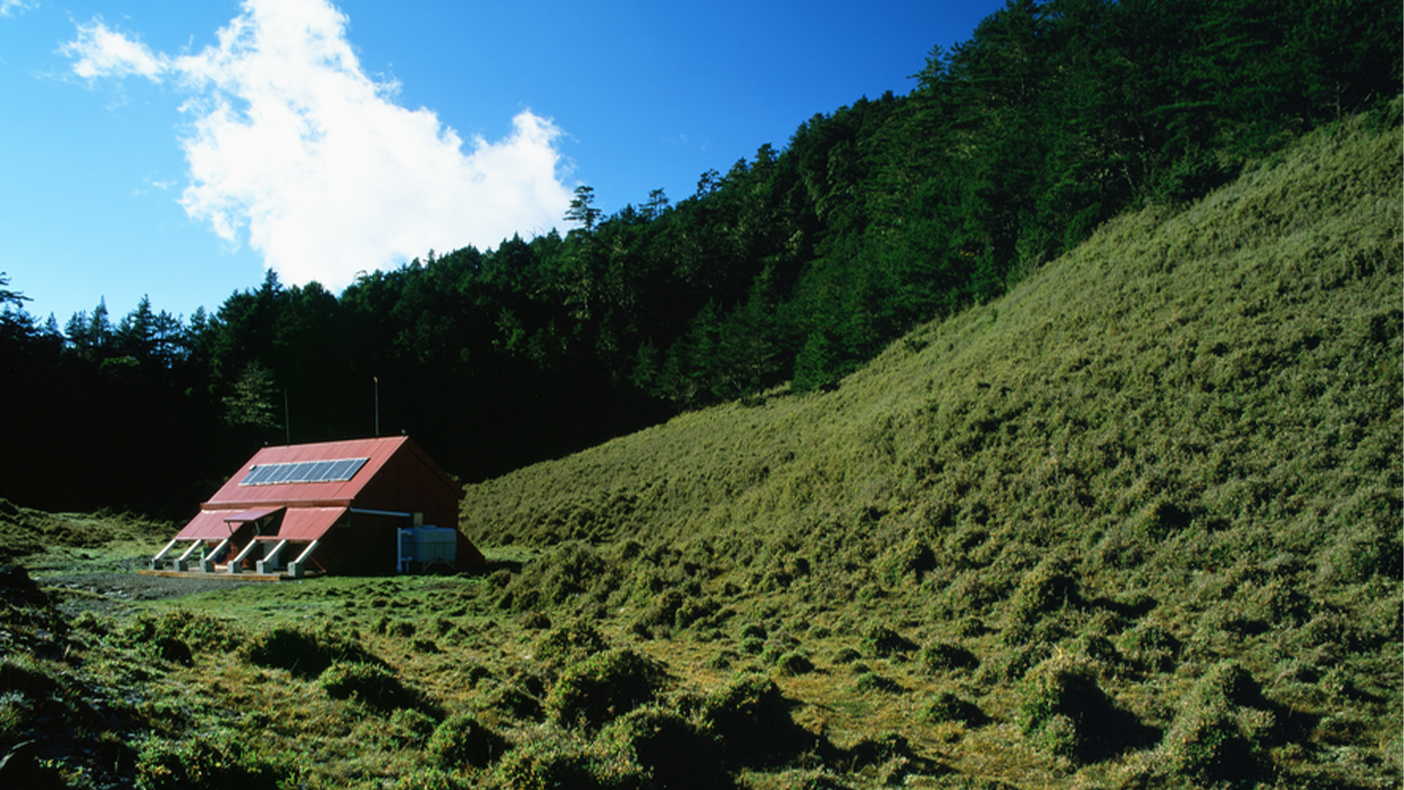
x=207 y=525
x=308 y=523
x=378 y=451
x=251 y=515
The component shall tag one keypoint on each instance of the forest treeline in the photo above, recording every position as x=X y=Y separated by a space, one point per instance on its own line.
x=795 y=265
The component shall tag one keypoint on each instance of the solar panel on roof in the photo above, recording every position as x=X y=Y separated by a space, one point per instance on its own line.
x=255 y=475
x=350 y=467
x=332 y=471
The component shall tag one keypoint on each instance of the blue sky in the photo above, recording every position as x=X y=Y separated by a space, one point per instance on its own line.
x=177 y=150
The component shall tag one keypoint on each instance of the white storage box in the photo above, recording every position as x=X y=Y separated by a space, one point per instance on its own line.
x=427 y=546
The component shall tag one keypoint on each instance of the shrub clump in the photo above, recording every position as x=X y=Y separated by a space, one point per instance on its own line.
x=31 y=692
x=1204 y=744
x=216 y=761
x=677 y=752
x=909 y=560
x=946 y=707
x=305 y=653
x=20 y=672
x=371 y=684
x=794 y=663
x=573 y=570
x=1217 y=729
x=558 y=759
x=569 y=643
x=751 y=719
x=602 y=686
x=1063 y=710
x=872 y=681
x=510 y=700
x=1047 y=588
x=409 y=728
x=431 y=778
x=663 y=609
x=1150 y=646
x=462 y=740
x=534 y=620
x=882 y=641
x=177 y=632
x=846 y=655
x=944 y=656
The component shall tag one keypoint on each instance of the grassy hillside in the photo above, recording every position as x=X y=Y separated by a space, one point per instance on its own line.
x=1137 y=524
x=1177 y=447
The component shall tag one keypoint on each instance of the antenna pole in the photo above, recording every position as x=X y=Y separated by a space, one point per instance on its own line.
x=376 y=379
x=287 y=422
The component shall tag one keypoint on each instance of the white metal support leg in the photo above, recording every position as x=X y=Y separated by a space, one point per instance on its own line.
x=208 y=564
x=269 y=564
x=295 y=568
x=236 y=565
x=180 y=564
x=156 y=561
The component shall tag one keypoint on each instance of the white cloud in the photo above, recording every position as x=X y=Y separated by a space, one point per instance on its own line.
x=293 y=147
x=103 y=52
x=8 y=7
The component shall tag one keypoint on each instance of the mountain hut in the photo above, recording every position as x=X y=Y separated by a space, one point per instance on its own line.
x=360 y=506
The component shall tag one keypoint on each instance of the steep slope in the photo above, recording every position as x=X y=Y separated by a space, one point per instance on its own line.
x=1167 y=466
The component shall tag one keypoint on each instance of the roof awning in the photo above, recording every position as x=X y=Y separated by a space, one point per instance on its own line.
x=207 y=525
x=255 y=514
x=306 y=523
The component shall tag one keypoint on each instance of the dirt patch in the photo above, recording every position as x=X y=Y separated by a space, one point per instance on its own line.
x=125 y=587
